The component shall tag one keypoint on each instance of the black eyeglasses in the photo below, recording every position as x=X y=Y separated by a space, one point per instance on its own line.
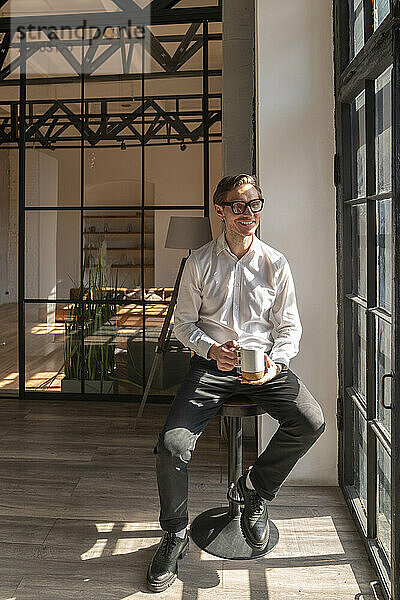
x=238 y=207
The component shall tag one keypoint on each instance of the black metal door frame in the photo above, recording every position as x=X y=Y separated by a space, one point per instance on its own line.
x=380 y=50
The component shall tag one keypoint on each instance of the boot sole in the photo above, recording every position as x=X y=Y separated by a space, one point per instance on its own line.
x=243 y=528
x=153 y=587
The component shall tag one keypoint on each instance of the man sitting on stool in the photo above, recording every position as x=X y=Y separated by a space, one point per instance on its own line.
x=235 y=291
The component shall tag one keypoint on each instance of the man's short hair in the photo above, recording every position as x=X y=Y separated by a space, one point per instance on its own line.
x=230 y=183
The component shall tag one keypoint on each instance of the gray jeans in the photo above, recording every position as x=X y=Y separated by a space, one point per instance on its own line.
x=199 y=398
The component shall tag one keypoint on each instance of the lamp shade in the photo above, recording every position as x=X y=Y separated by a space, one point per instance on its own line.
x=188 y=232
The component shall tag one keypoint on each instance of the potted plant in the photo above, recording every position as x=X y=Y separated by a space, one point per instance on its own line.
x=91 y=324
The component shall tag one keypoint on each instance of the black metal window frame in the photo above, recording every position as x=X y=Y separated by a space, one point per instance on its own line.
x=381 y=49
x=16 y=134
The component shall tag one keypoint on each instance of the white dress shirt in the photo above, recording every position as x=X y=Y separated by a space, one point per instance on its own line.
x=251 y=300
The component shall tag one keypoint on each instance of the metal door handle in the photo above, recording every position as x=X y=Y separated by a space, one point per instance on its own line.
x=383 y=389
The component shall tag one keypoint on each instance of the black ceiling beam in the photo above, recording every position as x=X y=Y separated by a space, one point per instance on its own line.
x=157 y=51
x=61 y=130
x=119 y=77
x=170 y=64
x=99 y=38
x=126 y=18
x=43 y=118
x=115 y=128
x=91 y=51
x=184 y=44
x=175 y=122
x=5 y=46
x=51 y=127
x=126 y=5
x=3 y=135
x=14 y=64
x=157 y=5
x=213 y=117
x=189 y=53
x=62 y=47
x=126 y=60
x=153 y=128
x=100 y=60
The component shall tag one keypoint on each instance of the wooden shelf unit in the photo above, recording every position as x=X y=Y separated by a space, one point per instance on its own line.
x=134 y=220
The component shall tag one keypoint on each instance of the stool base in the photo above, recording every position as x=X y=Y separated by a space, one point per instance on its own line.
x=219 y=534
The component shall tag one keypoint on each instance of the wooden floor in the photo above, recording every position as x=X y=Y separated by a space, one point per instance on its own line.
x=45 y=344
x=79 y=510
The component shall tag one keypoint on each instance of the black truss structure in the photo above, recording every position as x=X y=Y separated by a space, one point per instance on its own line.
x=157 y=12
x=380 y=50
x=120 y=42
x=60 y=122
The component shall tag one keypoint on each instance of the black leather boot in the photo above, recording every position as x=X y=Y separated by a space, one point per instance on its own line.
x=254 y=518
x=163 y=568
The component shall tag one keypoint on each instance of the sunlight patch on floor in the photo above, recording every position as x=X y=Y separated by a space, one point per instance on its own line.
x=311 y=536
x=42 y=377
x=44 y=328
x=8 y=380
x=237 y=579
x=330 y=581
x=128 y=545
x=148 y=526
x=96 y=550
x=105 y=527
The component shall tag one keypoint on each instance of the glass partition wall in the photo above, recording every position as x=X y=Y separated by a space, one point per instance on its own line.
x=367 y=165
x=117 y=129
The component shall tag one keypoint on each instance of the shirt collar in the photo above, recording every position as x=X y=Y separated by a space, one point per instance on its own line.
x=222 y=244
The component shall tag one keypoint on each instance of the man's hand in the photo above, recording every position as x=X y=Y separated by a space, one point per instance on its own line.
x=272 y=369
x=226 y=355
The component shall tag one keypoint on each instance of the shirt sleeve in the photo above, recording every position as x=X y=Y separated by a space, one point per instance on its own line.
x=285 y=318
x=187 y=311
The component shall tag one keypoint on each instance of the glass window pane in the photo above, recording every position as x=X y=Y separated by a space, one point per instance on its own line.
x=381 y=10
x=383 y=516
x=108 y=326
x=113 y=238
x=358 y=146
x=383 y=365
x=100 y=342
x=53 y=175
x=50 y=343
x=360 y=456
x=359 y=349
x=359 y=249
x=356 y=26
x=9 y=271
x=128 y=374
x=52 y=253
x=173 y=364
x=384 y=253
x=383 y=131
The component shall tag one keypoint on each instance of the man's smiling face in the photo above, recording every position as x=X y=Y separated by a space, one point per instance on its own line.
x=240 y=225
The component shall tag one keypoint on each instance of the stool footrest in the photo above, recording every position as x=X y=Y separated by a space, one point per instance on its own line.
x=231 y=497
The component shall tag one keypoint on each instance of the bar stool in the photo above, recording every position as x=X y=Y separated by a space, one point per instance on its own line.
x=217 y=531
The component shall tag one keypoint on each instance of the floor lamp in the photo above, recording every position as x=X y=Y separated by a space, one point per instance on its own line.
x=186 y=233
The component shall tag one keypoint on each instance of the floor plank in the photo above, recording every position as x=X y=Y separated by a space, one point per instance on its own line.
x=79 y=515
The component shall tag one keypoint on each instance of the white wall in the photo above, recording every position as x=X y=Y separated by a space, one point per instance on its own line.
x=295 y=156
x=41 y=228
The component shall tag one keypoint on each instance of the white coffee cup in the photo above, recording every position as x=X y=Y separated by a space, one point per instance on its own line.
x=252 y=363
